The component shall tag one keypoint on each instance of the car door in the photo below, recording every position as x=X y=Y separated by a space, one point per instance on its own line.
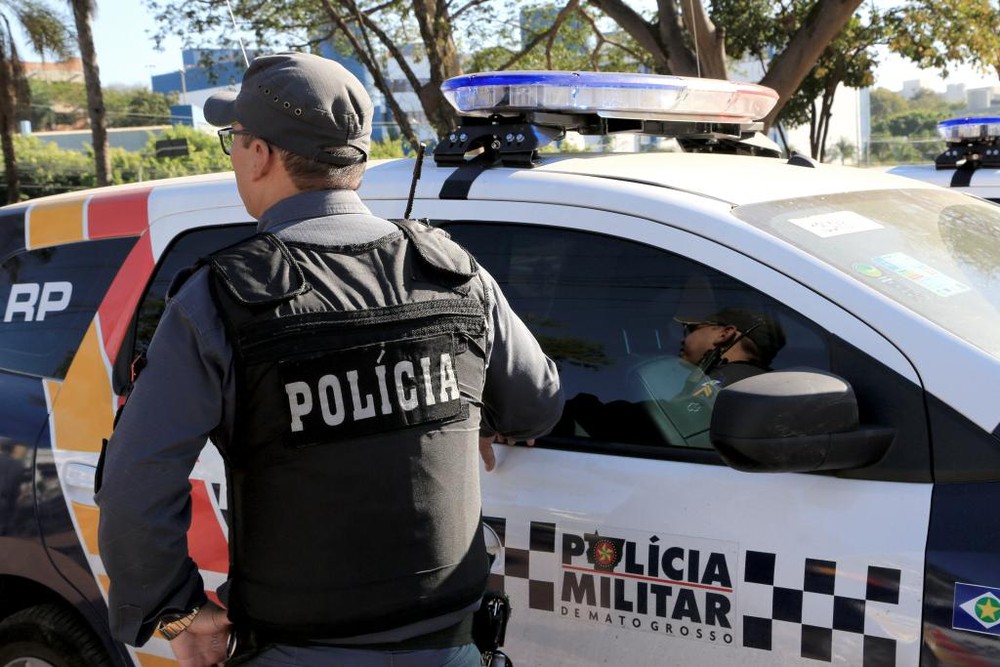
x=52 y=287
x=625 y=545
x=117 y=279
x=208 y=533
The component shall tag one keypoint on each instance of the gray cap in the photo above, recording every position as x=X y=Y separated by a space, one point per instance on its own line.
x=301 y=103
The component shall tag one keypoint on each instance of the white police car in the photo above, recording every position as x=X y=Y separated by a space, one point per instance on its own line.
x=866 y=533
x=970 y=161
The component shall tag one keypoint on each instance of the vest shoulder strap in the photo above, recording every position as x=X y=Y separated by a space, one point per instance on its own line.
x=259 y=270
x=437 y=252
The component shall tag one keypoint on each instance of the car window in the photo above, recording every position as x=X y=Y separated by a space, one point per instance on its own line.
x=181 y=254
x=604 y=310
x=50 y=296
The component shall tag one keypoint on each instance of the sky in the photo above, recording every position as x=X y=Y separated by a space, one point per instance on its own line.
x=127 y=56
x=123 y=40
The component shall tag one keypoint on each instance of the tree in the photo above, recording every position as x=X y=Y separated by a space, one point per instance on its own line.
x=125 y=106
x=913 y=123
x=807 y=48
x=843 y=150
x=848 y=60
x=795 y=39
x=886 y=103
x=940 y=33
x=136 y=107
x=554 y=38
x=46 y=34
x=83 y=13
x=905 y=130
x=376 y=32
x=690 y=43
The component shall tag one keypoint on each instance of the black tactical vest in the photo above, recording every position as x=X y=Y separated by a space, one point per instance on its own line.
x=353 y=470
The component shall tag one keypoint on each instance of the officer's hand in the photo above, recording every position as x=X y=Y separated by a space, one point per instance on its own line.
x=486 y=448
x=203 y=644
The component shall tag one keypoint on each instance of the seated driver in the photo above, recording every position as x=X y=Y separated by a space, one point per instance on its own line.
x=723 y=348
x=729 y=345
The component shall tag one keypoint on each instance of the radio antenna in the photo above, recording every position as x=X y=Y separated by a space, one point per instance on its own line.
x=236 y=29
x=413 y=181
x=694 y=29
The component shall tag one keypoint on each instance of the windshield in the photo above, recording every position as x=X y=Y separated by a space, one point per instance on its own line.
x=936 y=252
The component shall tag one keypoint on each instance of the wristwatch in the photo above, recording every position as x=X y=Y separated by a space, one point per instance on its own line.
x=171 y=625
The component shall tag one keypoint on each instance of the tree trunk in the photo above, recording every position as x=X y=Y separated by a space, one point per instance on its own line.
x=7 y=97
x=442 y=56
x=826 y=112
x=790 y=68
x=83 y=11
x=682 y=60
x=814 y=130
x=667 y=42
x=711 y=43
x=647 y=35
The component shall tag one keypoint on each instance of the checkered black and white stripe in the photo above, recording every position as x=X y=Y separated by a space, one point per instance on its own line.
x=528 y=573
x=817 y=611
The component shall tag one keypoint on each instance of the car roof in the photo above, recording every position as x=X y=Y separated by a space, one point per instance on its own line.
x=982 y=181
x=734 y=179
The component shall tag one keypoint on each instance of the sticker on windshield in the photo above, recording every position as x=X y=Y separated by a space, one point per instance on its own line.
x=826 y=225
x=916 y=271
x=866 y=269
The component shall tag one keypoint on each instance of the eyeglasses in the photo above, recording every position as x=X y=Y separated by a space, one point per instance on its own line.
x=691 y=327
x=226 y=135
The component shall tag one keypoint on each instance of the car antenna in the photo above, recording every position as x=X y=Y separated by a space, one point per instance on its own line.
x=413 y=181
x=236 y=29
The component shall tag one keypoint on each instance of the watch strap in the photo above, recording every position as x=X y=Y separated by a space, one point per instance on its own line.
x=171 y=625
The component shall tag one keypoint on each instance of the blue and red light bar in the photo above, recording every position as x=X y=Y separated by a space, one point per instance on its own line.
x=609 y=95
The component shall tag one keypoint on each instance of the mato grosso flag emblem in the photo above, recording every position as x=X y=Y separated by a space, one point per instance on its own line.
x=977 y=609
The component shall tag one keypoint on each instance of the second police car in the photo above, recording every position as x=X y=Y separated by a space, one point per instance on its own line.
x=839 y=509
x=970 y=161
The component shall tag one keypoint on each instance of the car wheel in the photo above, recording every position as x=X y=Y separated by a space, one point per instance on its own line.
x=49 y=636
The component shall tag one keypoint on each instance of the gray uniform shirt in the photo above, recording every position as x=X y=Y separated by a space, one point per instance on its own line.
x=187 y=390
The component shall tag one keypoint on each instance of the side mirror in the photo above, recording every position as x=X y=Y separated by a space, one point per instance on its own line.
x=796 y=420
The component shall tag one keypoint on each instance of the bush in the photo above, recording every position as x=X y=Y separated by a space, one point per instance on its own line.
x=46 y=169
x=389 y=148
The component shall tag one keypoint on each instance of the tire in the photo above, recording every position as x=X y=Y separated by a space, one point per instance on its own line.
x=49 y=636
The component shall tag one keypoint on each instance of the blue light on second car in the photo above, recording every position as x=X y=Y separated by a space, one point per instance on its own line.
x=961 y=130
x=611 y=95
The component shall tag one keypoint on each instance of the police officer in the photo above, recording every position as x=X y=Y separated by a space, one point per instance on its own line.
x=723 y=348
x=345 y=366
x=731 y=344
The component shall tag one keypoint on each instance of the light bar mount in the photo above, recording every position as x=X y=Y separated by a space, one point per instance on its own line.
x=514 y=141
x=969 y=155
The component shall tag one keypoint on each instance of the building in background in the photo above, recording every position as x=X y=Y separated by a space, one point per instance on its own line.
x=984 y=100
x=70 y=69
x=207 y=71
x=133 y=139
x=203 y=72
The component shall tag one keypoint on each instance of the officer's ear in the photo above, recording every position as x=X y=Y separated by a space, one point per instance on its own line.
x=728 y=333
x=263 y=158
